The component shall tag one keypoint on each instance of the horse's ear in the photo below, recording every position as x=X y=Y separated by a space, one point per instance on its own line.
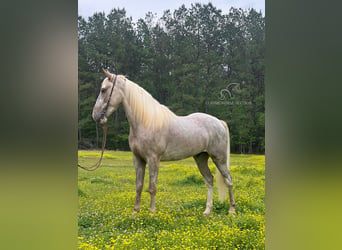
x=107 y=73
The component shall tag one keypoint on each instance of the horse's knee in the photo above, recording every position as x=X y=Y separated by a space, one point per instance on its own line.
x=139 y=187
x=152 y=190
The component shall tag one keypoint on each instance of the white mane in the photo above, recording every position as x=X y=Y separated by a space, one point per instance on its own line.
x=145 y=108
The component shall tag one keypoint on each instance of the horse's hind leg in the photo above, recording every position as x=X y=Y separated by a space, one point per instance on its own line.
x=202 y=163
x=228 y=180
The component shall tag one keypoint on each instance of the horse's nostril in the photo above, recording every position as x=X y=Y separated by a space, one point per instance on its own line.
x=100 y=118
x=96 y=117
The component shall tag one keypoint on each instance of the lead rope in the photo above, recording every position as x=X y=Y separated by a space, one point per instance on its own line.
x=97 y=164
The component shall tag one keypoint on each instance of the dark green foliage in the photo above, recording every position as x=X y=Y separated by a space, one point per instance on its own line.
x=190 y=180
x=100 y=181
x=184 y=59
x=81 y=193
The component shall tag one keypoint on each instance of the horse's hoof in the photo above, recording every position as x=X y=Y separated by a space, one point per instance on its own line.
x=232 y=211
x=206 y=212
x=153 y=211
x=135 y=214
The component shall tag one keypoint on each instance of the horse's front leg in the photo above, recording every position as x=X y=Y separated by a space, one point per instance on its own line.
x=153 y=168
x=140 y=166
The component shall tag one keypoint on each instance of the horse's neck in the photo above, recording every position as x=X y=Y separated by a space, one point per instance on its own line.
x=151 y=116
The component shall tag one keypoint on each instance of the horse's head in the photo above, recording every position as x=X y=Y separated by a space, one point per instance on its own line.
x=109 y=98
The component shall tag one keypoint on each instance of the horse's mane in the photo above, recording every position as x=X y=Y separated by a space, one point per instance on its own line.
x=145 y=108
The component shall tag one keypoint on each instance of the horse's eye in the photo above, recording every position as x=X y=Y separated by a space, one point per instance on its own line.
x=103 y=90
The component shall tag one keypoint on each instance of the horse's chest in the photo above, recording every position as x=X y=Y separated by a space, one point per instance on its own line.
x=134 y=145
x=143 y=146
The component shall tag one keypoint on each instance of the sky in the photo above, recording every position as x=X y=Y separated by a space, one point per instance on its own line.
x=138 y=8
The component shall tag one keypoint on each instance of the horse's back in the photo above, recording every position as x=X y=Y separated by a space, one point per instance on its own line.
x=192 y=134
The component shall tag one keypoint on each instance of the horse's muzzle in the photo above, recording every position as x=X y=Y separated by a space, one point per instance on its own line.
x=103 y=119
x=99 y=118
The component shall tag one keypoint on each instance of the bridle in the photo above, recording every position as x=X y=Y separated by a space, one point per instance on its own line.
x=104 y=127
x=104 y=111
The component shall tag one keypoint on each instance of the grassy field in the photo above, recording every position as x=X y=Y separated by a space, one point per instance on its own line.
x=106 y=200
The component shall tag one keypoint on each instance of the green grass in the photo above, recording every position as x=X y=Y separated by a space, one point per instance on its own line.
x=106 y=200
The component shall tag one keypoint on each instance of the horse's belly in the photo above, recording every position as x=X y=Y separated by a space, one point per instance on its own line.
x=179 y=155
x=183 y=147
x=175 y=156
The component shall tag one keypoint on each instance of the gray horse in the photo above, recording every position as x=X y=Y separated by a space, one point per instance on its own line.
x=157 y=134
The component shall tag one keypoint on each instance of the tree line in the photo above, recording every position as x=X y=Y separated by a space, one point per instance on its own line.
x=194 y=59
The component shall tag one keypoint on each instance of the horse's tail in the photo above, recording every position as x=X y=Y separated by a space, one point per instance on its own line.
x=221 y=185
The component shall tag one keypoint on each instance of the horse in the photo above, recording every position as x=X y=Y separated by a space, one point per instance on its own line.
x=157 y=134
